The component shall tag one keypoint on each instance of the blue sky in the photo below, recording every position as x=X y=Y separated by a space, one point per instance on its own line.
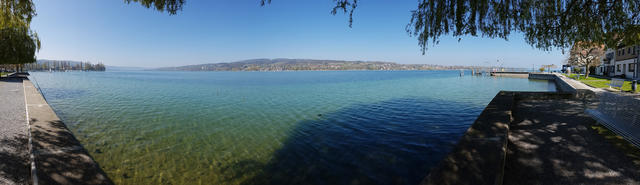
x=121 y=34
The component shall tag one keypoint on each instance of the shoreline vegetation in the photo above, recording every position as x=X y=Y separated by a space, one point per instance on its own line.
x=310 y=65
x=63 y=65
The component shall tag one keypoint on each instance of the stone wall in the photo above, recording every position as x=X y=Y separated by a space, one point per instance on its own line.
x=561 y=81
x=479 y=156
x=511 y=74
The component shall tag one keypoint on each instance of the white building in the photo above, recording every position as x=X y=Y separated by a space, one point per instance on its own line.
x=607 y=67
x=626 y=62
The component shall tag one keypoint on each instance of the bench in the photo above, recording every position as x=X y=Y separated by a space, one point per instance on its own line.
x=577 y=76
x=616 y=82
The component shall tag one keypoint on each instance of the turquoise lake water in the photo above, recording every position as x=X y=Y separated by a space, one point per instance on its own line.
x=305 y=127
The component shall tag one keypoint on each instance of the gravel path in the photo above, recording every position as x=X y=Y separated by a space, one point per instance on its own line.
x=551 y=142
x=14 y=158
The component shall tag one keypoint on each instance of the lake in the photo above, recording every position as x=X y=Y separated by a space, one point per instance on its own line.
x=302 y=127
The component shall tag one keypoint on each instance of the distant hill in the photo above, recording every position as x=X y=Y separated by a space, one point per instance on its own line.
x=282 y=64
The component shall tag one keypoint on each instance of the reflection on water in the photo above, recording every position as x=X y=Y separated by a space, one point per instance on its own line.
x=349 y=127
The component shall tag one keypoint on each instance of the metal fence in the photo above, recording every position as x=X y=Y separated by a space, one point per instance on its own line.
x=621 y=114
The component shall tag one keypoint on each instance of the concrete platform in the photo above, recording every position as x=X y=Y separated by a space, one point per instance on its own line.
x=550 y=142
x=59 y=156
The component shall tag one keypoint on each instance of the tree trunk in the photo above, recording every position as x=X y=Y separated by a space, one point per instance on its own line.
x=586 y=71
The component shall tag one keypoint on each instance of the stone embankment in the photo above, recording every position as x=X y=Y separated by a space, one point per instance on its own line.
x=511 y=74
x=58 y=157
x=545 y=133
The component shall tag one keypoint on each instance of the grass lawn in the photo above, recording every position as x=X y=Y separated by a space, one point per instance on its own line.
x=3 y=73
x=600 y=82
x=629 y=149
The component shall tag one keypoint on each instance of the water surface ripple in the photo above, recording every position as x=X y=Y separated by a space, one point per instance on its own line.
x=329 y=127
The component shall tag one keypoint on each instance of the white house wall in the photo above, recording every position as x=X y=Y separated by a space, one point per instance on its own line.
x=628 y=74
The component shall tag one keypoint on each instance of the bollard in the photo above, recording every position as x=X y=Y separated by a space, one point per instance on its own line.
x=634 y=85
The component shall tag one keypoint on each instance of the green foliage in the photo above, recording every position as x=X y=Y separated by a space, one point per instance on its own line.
x=61 y=65
x=546 y=24
x=10 y=10
x=627 y=148
x=541 y=69
x=600 y=82
x=18 y=43
x=578 y=70
x=171 y=6
x=346 y=6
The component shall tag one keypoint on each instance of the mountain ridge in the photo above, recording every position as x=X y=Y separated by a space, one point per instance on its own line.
x=285 y=64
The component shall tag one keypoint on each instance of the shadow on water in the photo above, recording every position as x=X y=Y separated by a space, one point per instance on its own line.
x=390 y=142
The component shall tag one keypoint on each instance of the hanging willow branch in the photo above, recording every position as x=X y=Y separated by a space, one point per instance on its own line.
x=346 y=6
x=171 y=6
x=18 y=43
x=546 y=24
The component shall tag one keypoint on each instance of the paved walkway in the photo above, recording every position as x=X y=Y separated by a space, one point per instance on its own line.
x=60 y=159
x=579 y=85
x=14 y=158
x=551 y=143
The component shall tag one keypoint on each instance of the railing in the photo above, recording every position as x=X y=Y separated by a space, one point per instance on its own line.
x=621 y=114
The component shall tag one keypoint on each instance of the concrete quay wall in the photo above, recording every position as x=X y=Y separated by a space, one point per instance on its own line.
x=59 y=157
x=479 y=156
x=511 y=74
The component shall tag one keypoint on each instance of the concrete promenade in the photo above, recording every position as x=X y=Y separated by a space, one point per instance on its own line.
x=537 y=138
x=56 y=156
x=551 y=142
x=14 y=148
x=59 y=156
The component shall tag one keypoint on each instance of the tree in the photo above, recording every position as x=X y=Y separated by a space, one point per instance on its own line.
x=545 y=24
x=171 y=6
x=18 y=43
x=584 y=54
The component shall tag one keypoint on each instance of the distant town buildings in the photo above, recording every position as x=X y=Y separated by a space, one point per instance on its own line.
x=310 y=64
x=621 y=62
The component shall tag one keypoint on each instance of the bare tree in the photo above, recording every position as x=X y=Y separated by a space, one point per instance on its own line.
x=585 y=54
